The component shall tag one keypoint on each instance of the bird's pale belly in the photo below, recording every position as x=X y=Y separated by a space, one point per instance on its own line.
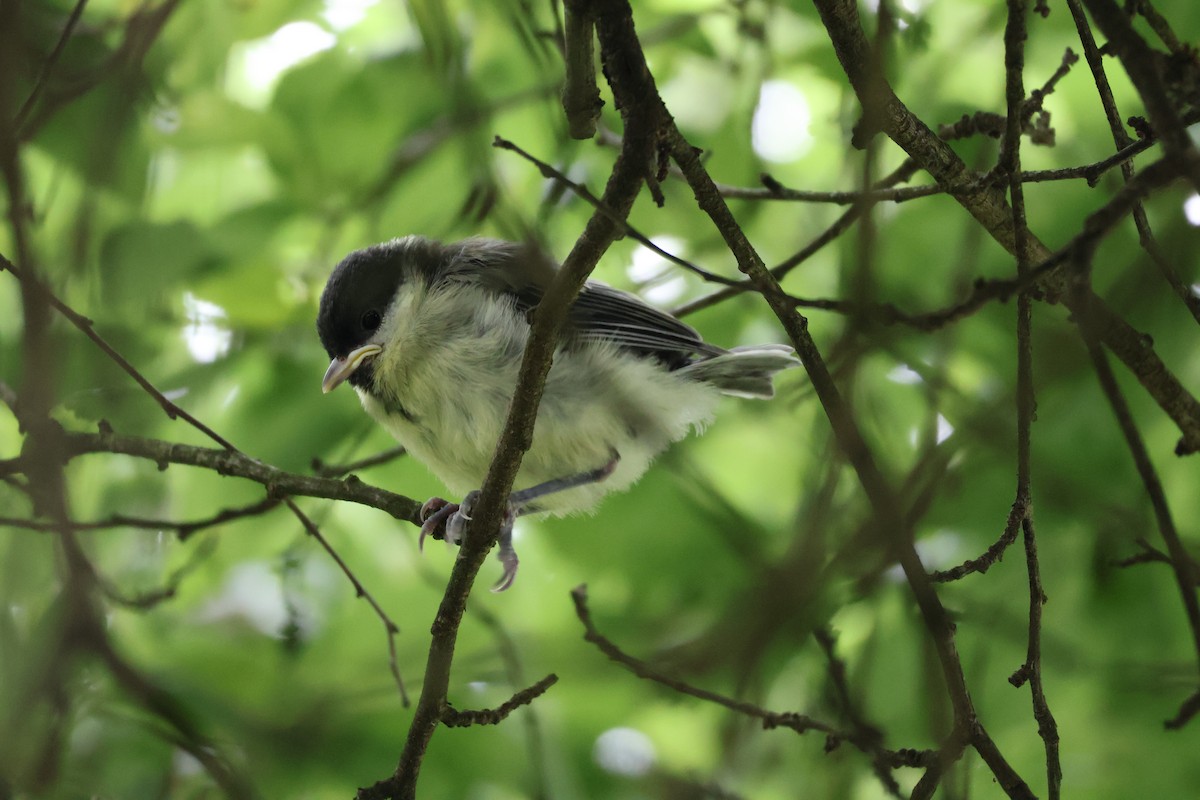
x=453 y=424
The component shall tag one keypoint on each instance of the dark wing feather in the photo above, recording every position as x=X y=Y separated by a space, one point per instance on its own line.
x=600 y=313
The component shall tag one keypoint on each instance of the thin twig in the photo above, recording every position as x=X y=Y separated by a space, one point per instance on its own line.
x=550 y=173
x=1180 y=560
x=87 y=327
x=580 y=95
x=452 y=718
x=642 y=125
x=183 y=529
x=278 y=482
x=1123 y=141
x=49 y=64
x=1010 y=162
x=389 y=626
x=336 y=470
x=800 y=723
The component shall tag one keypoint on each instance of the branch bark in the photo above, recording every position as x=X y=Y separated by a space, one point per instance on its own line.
x=989 y=207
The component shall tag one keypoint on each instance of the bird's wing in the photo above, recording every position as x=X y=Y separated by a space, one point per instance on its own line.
x=600 y=313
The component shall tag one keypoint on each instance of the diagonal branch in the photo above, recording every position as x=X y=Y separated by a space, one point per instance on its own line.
x=992 y=211
x=642 y=124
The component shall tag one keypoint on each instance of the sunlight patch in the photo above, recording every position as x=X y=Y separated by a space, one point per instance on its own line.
x=780 y=130
x=903 y=373
x=655 y=275
x=343 y=14
x=1191 y=210
x=256 y=66
x=624 y=751
x=206 y=337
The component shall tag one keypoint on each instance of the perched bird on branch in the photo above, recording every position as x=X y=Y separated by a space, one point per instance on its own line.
x=431 y=336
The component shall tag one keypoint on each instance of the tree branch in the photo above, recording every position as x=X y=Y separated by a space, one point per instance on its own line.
x=992 y=211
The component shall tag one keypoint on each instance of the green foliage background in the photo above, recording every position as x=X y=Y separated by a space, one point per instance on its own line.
x=183 y=193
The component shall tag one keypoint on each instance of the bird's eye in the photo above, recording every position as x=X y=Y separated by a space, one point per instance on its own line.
x=371 y=320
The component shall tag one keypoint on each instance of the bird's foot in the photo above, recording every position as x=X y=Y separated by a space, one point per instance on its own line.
x=450 y=519
x=442 y=519
x=434 y=514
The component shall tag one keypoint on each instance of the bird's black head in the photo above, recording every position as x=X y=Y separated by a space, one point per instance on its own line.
x=359 y=291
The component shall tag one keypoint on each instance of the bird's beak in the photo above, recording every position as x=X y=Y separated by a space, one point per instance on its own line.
x=342 y=368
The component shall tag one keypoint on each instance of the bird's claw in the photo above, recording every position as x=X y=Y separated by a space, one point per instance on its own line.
x=456 y=525
x=434 y=514
x=442 y=519
x=437 y=513
x=506 y=553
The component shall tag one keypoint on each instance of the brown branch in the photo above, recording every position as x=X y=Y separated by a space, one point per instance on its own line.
x=278 y=482
x=580 y=95
x=896 y=536
x=991 y=210
x=1142 y=64
x=49 y=64
x=494 y=716
x=335 y=470
x=1187 y=711
x=390 y=627
x=87 y=327
x=149 y=599
x=581 y=191
x=799 y=723
x=1122 y=140
x=642 y=124
x=86 y=633
x=830 y=234
x=1181 y=565
x=142 y=29
x=867 y=737
x=534 y=736
x=1152 y=555
x=1015 y=34
x=993 y=554
x=182 y=529
x=1031 y=670
x=1159 y=25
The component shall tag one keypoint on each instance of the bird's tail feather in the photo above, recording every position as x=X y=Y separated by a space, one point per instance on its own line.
x=744 y=371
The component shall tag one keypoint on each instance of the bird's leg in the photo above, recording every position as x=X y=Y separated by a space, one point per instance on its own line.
x=455 y=516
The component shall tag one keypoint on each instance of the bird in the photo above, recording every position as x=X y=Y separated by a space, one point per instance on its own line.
x=431 y=337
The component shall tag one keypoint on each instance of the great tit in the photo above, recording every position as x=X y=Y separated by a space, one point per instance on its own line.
x=431 y=337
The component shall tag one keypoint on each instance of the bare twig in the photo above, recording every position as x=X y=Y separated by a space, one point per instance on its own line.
x=335 y=470
x=993 y=554
x=49 y=64
x=642 y=124
x=390 y=627
x=1010 y=163
x=830 y=234
x=183 y=529
x=580 y=95
x=494 y=716
x=88 y=329
x=1180 y=560
x=278 y=482
x=582 y=191
x=149 y=599
x=1141 y=63
x=991 y=210
x=1123 y=141
x=799 y=723
x=869 y=737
